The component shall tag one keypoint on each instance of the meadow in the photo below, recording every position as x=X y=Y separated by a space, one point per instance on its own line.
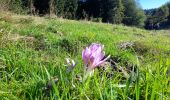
x=33 y=52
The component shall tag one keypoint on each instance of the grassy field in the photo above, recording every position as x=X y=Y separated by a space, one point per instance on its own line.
x=33 y=66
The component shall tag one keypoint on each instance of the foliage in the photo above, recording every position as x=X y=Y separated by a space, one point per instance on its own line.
x=113 y=11
x=134 y=15
x=70 y=8
x=110 y=11
x=168 y=22
x=157 y=17
x=18 y=6
x=60 y=7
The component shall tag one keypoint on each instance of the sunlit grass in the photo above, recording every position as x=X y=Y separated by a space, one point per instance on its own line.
x=37 y=57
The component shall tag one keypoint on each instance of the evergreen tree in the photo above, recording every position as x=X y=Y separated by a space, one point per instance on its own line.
x=60 y=7
x=17 y=6
x=70 y=8
x=113 y=11
x=117 y=12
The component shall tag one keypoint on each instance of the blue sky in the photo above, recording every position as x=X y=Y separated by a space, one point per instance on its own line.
x=147 y=4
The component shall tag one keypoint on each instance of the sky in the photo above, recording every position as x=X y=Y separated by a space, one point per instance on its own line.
x=148 y=4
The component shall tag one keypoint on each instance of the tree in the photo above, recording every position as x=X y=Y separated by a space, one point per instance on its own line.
x=157 y=17
x=51 y=7
x=134 y=15
x=117 y=12
x=31 y=7
x=16 y=6
x=168 y=5
x=162 y=14
x=112 y=11
x=70 y=8
x=60 y=8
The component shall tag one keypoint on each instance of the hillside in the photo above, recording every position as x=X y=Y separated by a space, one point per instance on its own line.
x=33 y=52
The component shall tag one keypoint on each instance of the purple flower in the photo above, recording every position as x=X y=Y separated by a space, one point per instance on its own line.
x=93 y=56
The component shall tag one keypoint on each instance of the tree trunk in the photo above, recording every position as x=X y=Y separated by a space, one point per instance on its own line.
x=31 y=7
x=51 y=7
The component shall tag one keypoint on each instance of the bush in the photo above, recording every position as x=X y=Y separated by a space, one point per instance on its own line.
x=4 y=5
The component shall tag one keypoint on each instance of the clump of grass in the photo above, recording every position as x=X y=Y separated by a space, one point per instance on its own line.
x=40 y=43
x=69 y=46
x=52 y=27
x=25 y=20
x=84 y=39
x=141 y=48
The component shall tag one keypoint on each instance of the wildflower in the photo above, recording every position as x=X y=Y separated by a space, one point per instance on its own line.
x=70 y=64
x=93 y=56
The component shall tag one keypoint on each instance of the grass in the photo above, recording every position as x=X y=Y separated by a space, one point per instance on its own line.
x=33 y=52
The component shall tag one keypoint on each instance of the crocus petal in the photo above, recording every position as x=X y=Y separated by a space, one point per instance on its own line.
x=98 y=59
x=85 y=55
x=97 y=52
x=68 y=61
x=87 y=52
x=73 y=63
x=94 y=47
x=98 y=55
x=101 y=62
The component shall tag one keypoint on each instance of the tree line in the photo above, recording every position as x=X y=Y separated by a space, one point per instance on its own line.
x=128 y=12
x=158 y=17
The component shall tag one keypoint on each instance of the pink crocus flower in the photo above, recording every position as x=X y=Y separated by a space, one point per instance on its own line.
x=93 y=56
